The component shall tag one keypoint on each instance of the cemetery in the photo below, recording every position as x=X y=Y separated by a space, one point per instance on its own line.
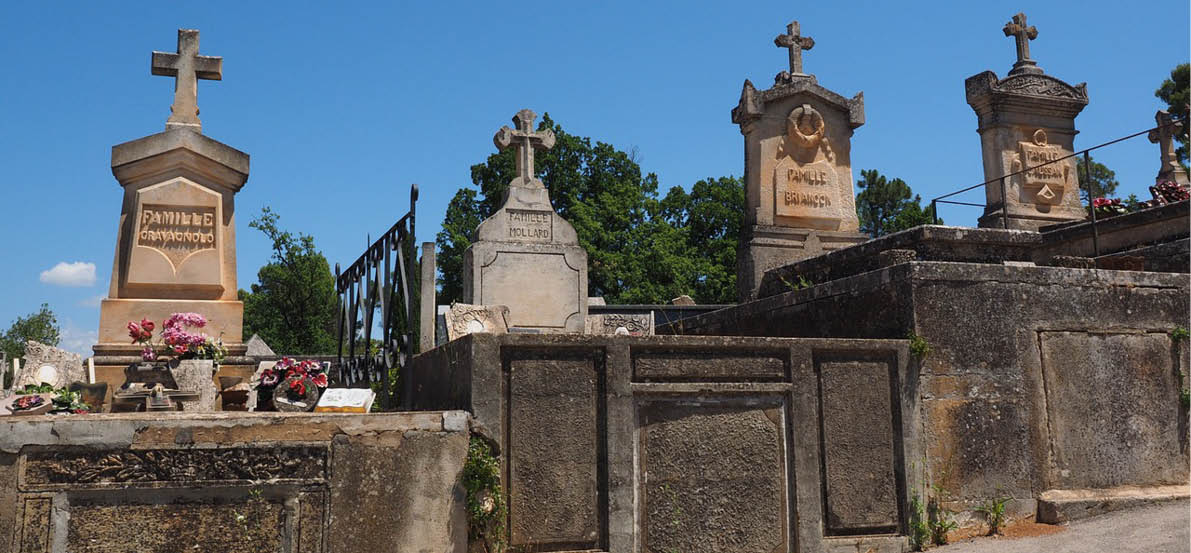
x=861 y=393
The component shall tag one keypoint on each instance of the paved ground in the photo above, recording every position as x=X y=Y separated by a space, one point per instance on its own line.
x=1162 y=528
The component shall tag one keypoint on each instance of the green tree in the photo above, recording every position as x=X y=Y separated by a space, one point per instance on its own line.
x=41 y=326
x=293 y=304
x=1103 y=180
x=1174 y=92
x=640 y=249
x=885 y=206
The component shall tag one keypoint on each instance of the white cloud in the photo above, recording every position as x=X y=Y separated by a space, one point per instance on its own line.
x=77 y=340
x=92 y=301
x=70 y=274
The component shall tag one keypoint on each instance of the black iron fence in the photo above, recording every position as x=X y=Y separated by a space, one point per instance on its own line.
x=379 y=293
x=1003 y=179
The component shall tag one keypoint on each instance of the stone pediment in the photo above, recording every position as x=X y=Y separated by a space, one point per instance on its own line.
x=752 y=102
x=1042 y=86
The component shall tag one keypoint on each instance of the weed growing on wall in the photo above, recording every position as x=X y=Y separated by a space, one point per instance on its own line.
x=918 y=346
x=919 y=527
x=485 y=499
x=994 y=514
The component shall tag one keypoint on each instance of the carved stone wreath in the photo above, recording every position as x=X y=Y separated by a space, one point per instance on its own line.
x=805 y=115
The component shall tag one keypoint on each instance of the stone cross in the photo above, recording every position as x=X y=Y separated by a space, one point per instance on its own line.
x=1163 y=136
x=1022 y=34
x=795 y=43
x=187 y=66
x=526 y=141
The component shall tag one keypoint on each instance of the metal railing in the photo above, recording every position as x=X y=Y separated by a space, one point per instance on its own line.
x=385 y=278
x=1087 y=165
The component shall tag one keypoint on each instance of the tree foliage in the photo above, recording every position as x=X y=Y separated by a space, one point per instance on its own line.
x=640 y=249
x=1174 y=92
x=40 y=326
x=886 y=206
x=1103 y=181
x=293 y=304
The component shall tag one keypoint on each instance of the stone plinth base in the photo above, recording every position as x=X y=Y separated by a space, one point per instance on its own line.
x=543 y=285
x=233 y=483
x=225 y=318
x=765 y=247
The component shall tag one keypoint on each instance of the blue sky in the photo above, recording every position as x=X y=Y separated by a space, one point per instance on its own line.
x=342 y=107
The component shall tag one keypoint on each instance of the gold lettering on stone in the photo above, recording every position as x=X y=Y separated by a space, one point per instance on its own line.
x=529 y=225
x=176 y=231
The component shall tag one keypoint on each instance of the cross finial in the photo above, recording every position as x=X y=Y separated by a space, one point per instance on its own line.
x=795 y=43
x=1022 y=35
x=1163 y=135
x=187 y=66
x=526 y=141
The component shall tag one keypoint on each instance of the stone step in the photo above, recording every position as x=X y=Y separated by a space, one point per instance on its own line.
x=1059 y=506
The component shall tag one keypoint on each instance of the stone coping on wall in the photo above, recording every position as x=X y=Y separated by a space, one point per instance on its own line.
x=715 y=322
x=1150 y=226
x=930 y=242
x=121 y=430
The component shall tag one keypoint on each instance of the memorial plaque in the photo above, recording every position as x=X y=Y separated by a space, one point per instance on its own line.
x=176 y=231
x=530 y=225
x=1044 y=182
x=175 y=236
x=808 y=192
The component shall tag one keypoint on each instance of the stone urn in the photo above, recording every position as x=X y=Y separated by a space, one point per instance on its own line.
x=197 y=375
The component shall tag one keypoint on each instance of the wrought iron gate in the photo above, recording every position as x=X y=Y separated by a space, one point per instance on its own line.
x=384 y=278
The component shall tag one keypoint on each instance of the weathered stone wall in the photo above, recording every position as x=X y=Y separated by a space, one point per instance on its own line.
x=1039 y=377
x=228 y=483
x=664 y=443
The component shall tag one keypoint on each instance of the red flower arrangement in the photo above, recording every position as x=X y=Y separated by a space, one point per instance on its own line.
x=177 y=340
x=297 y=376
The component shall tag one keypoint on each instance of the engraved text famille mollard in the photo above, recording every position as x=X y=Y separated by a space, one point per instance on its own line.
x=801 y=183
x=529 y=225
x=177 y=227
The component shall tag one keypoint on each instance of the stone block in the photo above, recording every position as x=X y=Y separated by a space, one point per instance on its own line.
x=712 y=476
x=544 y=285
x=224 y=483
x=554 y=474
x=1113 y=408
x=632 y=324
x=889 y=258
x=860 y=447
x=463 y=319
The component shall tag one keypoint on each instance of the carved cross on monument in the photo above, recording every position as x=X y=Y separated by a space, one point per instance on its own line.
x=1163 y=136
x=187 y=66
x=795 y=43
x=1022 y=35
x=526 y=141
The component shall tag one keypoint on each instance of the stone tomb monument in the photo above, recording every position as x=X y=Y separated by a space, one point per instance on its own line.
x=797 y=168
x=176 y=241
x=1163 y=135
x=525 y=256
x=1026 y=120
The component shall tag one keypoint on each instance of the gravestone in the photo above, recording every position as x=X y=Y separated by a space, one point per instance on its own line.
x=525 y=255
x=1027 y=127
x=797 y=168
x=463 y=319
x=50 y=365
x=1170 y=169
x=176 y=239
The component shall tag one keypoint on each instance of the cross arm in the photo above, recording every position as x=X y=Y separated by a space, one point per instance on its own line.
x=205 y=67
